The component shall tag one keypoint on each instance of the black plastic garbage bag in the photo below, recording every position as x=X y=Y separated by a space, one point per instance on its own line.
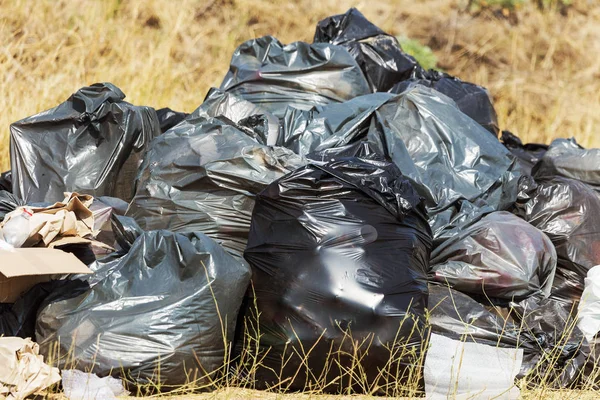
x=501 y=257
x=93 y=143
x=6 y=181
x=568 y=211
x=527 y=154
x=378 y=54
x=472 y=99
x=272 y=75
x=553 y=352
x=168 y=118
x=448 y=157
x=158 y=315
x=19 y=319
x=339 y=254
x=8 y=203
x=203 y=175
x=567 y=159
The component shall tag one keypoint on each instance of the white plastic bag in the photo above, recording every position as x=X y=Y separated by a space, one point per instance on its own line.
x=589 y=306
x=79 y=385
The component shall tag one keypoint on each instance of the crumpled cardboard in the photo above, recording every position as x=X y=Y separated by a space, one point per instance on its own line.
x=67 y=222
x=22 y=370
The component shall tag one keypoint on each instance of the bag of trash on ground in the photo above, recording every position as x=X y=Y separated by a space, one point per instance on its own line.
x=527 y=154
x=339 y=254
x=567 y=159
x=553 y=352
x=92 y=144
x=472 y=99
x=568 y=211
x=500 y=257
x=448 y=157
x=203 y=176
x=163 y=312
x=267 y=73
x=378 y=54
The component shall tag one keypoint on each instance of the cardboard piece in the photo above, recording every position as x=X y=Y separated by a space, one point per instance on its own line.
x=22 y=370
x=22 y=268
x=70 y=219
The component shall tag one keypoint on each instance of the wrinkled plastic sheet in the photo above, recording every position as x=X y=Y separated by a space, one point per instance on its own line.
x=378 y=54
x=568 y=211
x=527 y=154
x=567 y=159
x=265 y=72
x=151 y=314
x=93 y=143
x=203 y=175
x=339 y=252
x=501 y=256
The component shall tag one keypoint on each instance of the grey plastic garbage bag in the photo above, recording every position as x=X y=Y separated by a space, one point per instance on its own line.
x=448 y=157
x=472 y=99
x=158 y=314
x=93 y=143
x=339 y=254
x=272 y=75
x=501 y=256
x=568 y=211
x=378 y=54
x=567 y=159
x=203 y=175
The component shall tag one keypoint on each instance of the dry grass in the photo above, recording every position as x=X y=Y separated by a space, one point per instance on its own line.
x=543 y=70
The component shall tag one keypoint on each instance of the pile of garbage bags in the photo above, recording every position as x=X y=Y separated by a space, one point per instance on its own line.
x=333 y=217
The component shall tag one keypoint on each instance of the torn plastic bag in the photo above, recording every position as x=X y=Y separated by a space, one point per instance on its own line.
x=168 y=118
x=378 y=54
x=272 y=75
x=568 y=211
x=8 y=203
x=91 y=144
x=447 y=155
x=158 y=314
x=527 y=154
x=19 y=319
x=339 y=254
x=567 y=159
x=501 y=256
x=472 y=99
x=203 y=176
x=6 y=181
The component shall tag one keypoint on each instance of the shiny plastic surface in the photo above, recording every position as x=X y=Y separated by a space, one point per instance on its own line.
x=501 y=256
x=568 y=211
x=527 y=154
x=267 y=73
x=152 y=316
x=567 y=159
x=203 y=175
x=93 y=143
x=339 y=252
x=378 y=54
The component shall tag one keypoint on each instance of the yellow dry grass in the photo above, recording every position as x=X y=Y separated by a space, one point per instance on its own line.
x=543 y=70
